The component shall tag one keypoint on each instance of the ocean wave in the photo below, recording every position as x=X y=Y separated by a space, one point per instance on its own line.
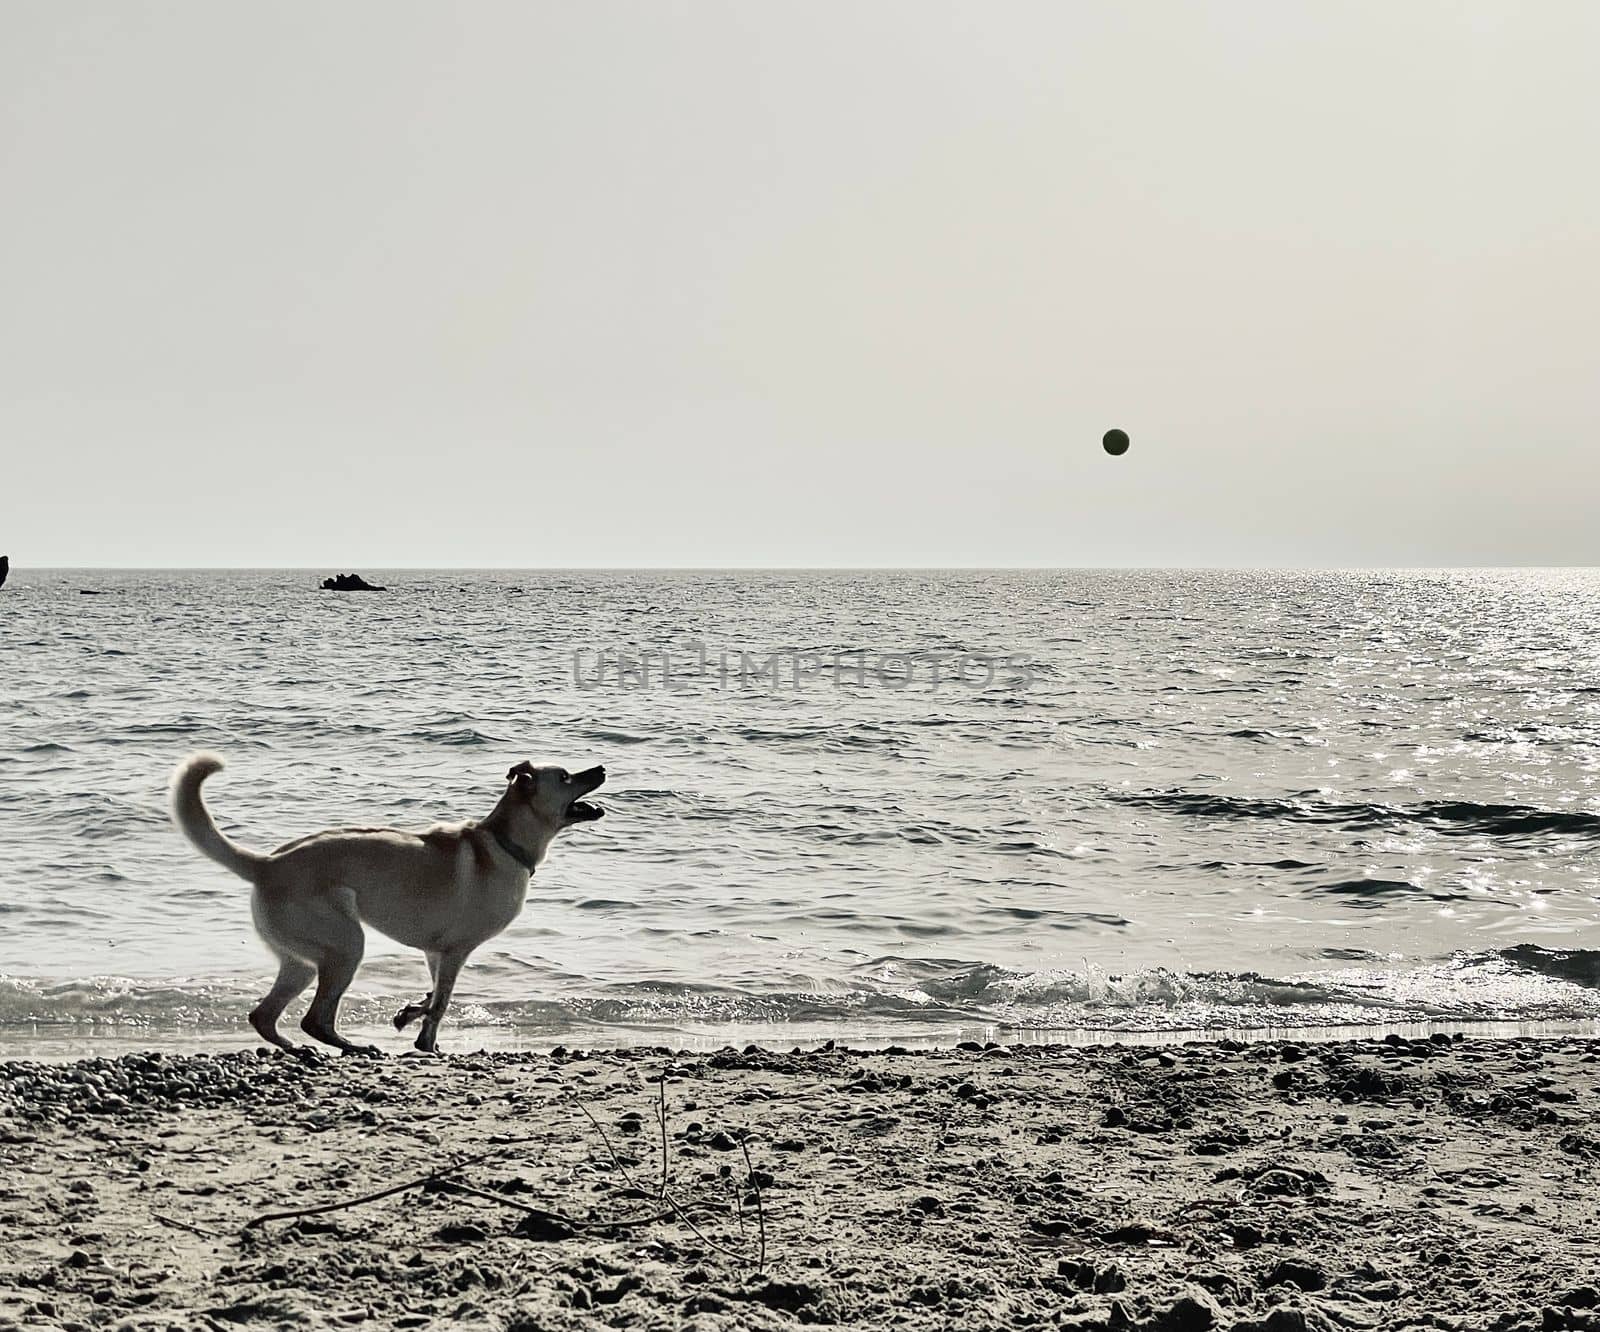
x=1579 y=966
x=1447 y=817
x=462 y=735
x=1374 y=892
x=1524 y=983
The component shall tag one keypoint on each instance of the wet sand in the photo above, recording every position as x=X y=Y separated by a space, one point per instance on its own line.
x=1372 y=1184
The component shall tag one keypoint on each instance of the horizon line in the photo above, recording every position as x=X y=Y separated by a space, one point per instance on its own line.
x=755 y=568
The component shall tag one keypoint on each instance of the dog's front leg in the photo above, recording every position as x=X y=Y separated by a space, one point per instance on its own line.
x=444 y=982
x=411 y=1012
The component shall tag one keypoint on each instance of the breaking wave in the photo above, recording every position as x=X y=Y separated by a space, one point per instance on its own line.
x=1520 y=984
x=1448 y=817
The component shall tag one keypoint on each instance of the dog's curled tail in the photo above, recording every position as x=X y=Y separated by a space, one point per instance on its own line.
x=194 y=820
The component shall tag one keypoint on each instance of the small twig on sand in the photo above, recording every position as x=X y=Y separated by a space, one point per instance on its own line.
x=184 y=1225
x=261 y=1220
x=737 y=1194
x=376 y=1194
x=606 y=1138
x=577 y=1223
x=456 y=1186
x=661 y=1118
x=761 y=1215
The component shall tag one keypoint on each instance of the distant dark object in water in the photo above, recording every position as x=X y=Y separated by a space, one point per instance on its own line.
x=350 y=583
x=1450 y=818
x=5 y=568
x=1116 y=442
x=88 y=591
x=1581 y=966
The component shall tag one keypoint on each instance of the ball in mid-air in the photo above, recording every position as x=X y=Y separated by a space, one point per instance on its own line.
x=1116 y=442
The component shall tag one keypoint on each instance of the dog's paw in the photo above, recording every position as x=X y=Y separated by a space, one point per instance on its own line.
x=411 y=1012
x=364 y=1051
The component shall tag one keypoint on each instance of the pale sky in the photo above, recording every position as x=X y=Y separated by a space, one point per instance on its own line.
x=360 y=285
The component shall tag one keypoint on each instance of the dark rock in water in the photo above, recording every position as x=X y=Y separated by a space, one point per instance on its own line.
x=5 y=568
x=350 y=582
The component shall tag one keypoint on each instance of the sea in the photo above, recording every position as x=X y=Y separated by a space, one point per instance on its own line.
x=908 y=806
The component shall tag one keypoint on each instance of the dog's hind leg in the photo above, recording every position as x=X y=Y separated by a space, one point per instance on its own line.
x=293 y=977
x=444 y=983
x=342 y=947
x=411 y=1012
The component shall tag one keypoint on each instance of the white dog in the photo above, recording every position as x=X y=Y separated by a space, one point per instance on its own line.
x=445 y=890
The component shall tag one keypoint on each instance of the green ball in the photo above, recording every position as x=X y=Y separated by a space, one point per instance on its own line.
x=1116 y=442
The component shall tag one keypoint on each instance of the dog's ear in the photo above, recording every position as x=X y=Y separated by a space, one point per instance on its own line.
x=521 y=774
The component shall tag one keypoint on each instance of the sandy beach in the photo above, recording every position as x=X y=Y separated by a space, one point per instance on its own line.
x=1376 y=1184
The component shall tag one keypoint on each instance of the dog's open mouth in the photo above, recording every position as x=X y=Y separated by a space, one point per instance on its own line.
x=581 y=811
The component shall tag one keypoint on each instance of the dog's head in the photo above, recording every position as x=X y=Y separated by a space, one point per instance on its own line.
x=554 y=795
